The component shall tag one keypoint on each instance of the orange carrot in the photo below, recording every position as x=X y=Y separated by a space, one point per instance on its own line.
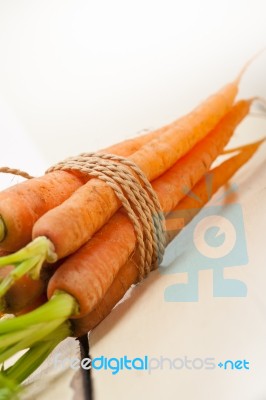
x=22 y=293
x=89 y=272
x=128 y=274
x=22 y=204
x=90 y=207
x=29 y=307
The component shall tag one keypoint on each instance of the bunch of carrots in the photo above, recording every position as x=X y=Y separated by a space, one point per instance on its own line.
x=68 y=249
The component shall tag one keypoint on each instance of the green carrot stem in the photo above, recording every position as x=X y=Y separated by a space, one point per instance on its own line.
x=2 y=230
x=40 y=246
x=8 y=388
x=28 y=260
x=12 y=377
x=25 y=331
x=34 y=357
x=60 y=306
x=18 y=272
x=30 y=339
x=38 y=331
x=9 y=339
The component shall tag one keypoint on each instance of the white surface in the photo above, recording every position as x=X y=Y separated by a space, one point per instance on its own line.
x=80 y=75
x=221 y=328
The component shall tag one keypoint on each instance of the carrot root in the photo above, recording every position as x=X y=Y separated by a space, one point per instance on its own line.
x=247 y=64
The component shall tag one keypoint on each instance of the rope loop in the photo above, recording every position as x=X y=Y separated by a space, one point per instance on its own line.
x=137 y=197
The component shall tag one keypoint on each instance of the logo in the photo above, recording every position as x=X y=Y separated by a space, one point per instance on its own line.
x=148 y=364
x=213 y=240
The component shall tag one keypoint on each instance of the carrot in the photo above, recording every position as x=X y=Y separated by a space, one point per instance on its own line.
x=37 y=302
x=128 y=274
x=89 y=272
x=22 y=204
x=39 y=331
x=22 y=293
x=170 y=188
x=90 y=207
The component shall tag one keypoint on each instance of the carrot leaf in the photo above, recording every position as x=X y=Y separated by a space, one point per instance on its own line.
x=28 y=260
x=38 y=332
x=12 y=377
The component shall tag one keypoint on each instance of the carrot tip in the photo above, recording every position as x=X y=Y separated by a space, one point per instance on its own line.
x=254 y=145
x=247 y=64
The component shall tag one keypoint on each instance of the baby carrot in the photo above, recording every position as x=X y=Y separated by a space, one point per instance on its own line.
x=128 y=274
x=90 y=207
x=94 y=265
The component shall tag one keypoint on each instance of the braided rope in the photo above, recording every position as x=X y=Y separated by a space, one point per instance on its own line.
x=137 y=196
x=15 y=171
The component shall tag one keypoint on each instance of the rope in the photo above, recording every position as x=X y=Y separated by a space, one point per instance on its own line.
x=14 y=171
x=136 y=195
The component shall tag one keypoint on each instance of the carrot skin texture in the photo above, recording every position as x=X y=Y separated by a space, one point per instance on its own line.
x=96 y=202
x=126 y=277
x=120 y=238
x=128 y=274
x=170 y=190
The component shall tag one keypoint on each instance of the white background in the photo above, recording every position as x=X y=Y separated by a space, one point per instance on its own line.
x=79 y=75
x=82 y=74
